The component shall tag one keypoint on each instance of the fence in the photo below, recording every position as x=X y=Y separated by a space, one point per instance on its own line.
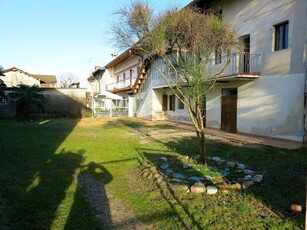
x=111 y=108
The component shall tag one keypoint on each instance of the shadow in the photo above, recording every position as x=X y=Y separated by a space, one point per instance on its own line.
x=284 y=171
x=36 y=174
x=179 y=209
x=91 y=185
x=56 y=102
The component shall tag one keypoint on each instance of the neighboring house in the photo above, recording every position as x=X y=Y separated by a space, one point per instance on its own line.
x=264 y=89
x=15 y=76
x=120 y=77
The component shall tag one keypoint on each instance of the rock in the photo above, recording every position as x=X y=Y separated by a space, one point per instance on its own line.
x=241 y=166
x=146 y=174
x=248 y=177
x=249 y=172
x=156 y=175
x=217 y=159
x=264 y=214
x=164 y=166
x=198 y=187
x=195 y=178
x=159 y=180
x=163 y=158
x=228 y=187
x=179 y=185
x=211 y=190
x=247 y=184
x=168 y=171
x=178 y=176
x=258 y=178
x=185 y=166
x=224 y=172
x=231 y=164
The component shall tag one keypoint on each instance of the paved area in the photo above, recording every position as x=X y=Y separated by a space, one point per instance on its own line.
x=256 y=139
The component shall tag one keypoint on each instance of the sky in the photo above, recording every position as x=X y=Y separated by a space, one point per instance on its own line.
x=61 y=36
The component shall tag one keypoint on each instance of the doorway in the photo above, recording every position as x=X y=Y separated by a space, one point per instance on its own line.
x=245 y=57
x=229 y=109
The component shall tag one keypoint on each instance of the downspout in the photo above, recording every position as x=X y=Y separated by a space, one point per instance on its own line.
x=305 y=105
x=305 y=95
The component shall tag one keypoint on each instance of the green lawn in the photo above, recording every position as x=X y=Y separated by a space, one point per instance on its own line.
x=43 y=163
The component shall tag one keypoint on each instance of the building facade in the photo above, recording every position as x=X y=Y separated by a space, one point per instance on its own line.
x=263 y=91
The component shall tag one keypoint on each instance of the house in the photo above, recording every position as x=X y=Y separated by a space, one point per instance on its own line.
x=116 y=82
x=264 y=89
x=15 y=76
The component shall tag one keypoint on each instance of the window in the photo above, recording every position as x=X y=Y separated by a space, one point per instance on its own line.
x=230 y=92
x=281 y=36
x=218 y=57
x=118 y=78
x=164 y=102
x=180 y=104
x=172 y=102
x=124 y=76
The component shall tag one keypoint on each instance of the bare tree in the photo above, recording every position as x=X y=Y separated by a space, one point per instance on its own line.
x=2 y=84
x=67 y=79
x=180 y=44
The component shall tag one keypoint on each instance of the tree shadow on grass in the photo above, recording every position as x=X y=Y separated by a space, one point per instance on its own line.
x=168 y=192
x=34 y=176
x=284 y=170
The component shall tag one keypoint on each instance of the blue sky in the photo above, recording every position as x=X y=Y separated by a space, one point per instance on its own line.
x=60 y=36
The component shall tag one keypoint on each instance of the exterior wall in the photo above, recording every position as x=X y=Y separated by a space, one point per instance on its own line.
x=59 y=102
x=13 y=78
x=273 y=104
x=116 y=73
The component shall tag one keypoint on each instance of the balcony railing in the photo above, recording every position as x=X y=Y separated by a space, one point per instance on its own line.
x=240 y=64
x=127 y=83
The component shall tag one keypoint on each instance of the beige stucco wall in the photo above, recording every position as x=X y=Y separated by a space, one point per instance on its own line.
x=12 y=79
x=271 y=105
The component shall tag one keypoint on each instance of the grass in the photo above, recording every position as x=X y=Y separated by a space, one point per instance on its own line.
x=41 y=163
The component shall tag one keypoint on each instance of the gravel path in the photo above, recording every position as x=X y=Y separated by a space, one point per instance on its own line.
x=110 y=211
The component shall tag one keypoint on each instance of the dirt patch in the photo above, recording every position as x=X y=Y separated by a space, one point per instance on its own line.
x=110 y=211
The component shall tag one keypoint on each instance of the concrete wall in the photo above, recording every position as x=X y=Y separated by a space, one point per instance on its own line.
x=59 y=103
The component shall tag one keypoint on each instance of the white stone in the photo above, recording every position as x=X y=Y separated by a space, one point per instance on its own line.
x=198 y=187
x=195 y=178
x=163 y=158
x=164 y=166
x=241 y=166
x=248 y=177
x=231 y=164
x=178 y=176
x=258 y=178
x=249 y=172
x=211 y=190
x=247 y=184
x=217 y=159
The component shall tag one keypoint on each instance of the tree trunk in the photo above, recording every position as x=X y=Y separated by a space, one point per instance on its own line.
x=202 y=146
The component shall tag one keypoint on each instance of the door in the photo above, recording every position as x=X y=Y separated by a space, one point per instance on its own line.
x=229 y=110
x=245 y=57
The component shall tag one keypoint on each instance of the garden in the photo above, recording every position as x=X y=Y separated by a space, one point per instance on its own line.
x=128 y=173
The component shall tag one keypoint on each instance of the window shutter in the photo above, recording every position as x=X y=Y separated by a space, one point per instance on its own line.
x=164 y=102
x=173 y=103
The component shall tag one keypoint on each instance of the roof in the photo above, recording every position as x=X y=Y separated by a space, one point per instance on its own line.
x=120 y=58
x=97 y=70
x=40 y=77
x=45 y=78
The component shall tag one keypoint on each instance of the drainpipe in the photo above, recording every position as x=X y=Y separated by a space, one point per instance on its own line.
x=305 y=106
